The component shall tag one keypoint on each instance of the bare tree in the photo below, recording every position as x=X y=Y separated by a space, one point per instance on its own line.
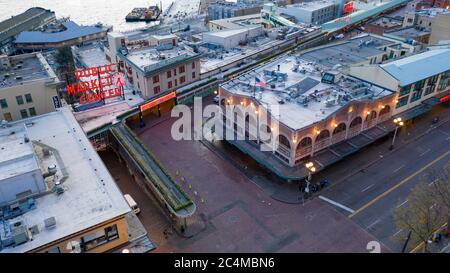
x=439 y=183
x=427 y=208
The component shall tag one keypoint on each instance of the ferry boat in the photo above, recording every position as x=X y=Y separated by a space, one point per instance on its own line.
x=149 y=14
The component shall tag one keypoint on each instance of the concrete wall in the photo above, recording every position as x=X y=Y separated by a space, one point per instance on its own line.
x=31 y=181
x=374 y=74
x=64 y=245
x=40 y=92
x=231 y=40
x=441 y=29
x=316 y=16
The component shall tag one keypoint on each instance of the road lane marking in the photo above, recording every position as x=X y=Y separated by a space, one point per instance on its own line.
x=373 y=224
x=367 y=188
x=432 y=182
x=336 y=204
x=406 y=201
x=399 y=168
x=395 y=234
x=376 y=199
x=422 y=154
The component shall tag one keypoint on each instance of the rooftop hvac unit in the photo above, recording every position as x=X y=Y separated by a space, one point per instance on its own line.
x=20 y=233
x=34 y=230
x=50 y=223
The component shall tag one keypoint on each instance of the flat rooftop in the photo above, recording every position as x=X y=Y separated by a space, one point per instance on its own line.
x=150 y=58
x=17 y=156
x=431 y=12
x=240 y=21
x=91 y=55
x=14 y=25
x=411 y=69
x=90 y=196
x=297 y=90
x=312 y=6
x=230 y=32
x=407 y=33
x=387 y=22
x=71 y=31
x=25 y=69
x=349 y=52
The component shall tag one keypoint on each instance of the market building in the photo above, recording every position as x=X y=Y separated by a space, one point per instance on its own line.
x=419 y=80
x=28 y=87
x=66 y=34
x=157 y=70
x=318 y=108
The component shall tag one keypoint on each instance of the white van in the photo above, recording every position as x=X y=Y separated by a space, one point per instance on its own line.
x=133 y=205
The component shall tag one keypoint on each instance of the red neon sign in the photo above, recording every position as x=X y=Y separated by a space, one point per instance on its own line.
x=157 y=101
x=97 y=83
x=348 y=7
x=445 y=98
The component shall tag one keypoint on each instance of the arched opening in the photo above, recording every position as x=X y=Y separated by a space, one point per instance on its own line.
x=340 y=128
x=324 y=134
x=355 y=127
x=303 y=147
x=371 y=119
x=355 y=122
x=384 y=113
x=371 y=116
x=339 y=132
x=222 y=102
x=322 y=140
x=284 y=148
x=385 y=110
x=284 y=141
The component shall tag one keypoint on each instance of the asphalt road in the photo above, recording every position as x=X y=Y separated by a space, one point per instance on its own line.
x=370 y=196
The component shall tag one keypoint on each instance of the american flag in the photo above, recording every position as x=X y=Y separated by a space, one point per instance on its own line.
x=260 y=83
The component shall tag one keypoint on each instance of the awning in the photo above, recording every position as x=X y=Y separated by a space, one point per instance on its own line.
x=431 y=101
x=414 y=112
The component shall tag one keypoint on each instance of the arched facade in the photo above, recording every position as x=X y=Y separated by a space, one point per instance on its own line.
x=304 y=147
x=296 y=144
x=371 y=119
x=339 y=133
x=322 y=140
x=385 y=113
x=355 y=127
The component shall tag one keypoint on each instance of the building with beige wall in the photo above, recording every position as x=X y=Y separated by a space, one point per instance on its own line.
x=158 y=69
x=415 y=79
x=235 y=22
x=441 y=29
x=423 y=18
x=307 y=109
x=70 y=203
x=28 y=87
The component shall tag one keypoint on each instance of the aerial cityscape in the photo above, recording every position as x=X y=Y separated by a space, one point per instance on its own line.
x=213 y=126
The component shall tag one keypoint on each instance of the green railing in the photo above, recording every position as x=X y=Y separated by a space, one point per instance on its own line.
x=152 y=175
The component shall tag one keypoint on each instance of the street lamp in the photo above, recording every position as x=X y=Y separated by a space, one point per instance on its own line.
x=311 y=169
x=125 y=250
x=398 y=123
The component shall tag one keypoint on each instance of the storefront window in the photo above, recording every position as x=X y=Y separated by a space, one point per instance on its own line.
x=99 y=238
